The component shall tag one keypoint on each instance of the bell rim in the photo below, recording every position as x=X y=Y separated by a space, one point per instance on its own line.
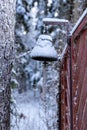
x=41 y=58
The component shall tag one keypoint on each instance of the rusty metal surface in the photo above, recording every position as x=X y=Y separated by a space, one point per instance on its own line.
x=79 y=81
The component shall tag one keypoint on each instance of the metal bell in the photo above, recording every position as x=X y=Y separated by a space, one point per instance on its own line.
x=44 y=50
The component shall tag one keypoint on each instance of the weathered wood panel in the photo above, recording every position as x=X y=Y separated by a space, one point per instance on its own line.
x=79 y=80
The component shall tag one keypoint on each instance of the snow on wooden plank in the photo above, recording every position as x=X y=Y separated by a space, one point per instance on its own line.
x=55 y=21
x=79 y=21
x=60 y=56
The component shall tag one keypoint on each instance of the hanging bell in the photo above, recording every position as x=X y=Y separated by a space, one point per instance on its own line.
x=44 y=50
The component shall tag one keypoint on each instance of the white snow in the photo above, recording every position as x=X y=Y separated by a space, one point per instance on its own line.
x=31 y=116
x=29 y=2
x=34 y=11
x=21 y=10
x=49 y=3
x=79 y=21
x=36 y=76
x=1 y=90
x=60 y=57
x=43 y=52
x=44 y=48
x=23 y=60
x=15 y=81
x=26 y=18
x=55 y=20
x=33 y=113
x=40 y=83
x=23 y=54
x=13 y=71
x=19 y=2
x=64 y=1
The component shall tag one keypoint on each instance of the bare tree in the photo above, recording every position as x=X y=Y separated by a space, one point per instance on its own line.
x=7 y=22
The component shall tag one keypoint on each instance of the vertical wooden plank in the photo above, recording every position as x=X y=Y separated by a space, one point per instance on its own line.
x=79 y=77
x=63 y=98
x=79 y=74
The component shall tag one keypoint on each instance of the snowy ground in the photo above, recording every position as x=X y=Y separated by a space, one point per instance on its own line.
x=29 y=112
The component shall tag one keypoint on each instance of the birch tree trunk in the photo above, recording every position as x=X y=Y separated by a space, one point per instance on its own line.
x=7 y=22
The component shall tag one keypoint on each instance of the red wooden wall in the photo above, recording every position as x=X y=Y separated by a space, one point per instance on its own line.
x=79 y=80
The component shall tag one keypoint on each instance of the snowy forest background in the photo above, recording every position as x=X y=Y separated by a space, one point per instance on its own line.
x=32 y=112
x=28 y=110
